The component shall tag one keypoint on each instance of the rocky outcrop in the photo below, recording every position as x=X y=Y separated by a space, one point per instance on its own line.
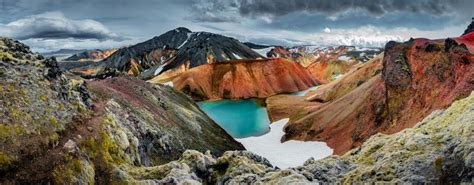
x=438 y=150
x=54 y=129
x=244 y=79
x=91 y=55
x=417 y=78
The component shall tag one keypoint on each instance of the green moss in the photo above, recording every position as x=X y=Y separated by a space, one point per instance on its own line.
x=5 y=160
x=111 y=152
x=5 y=131
x=54 y=137
x=79 y=106
x=23 y=92
x=76 y=166
x=105 y=148
x=74 y=172
x=53 y=120
x=438 y=163
x=43 y=98
x=6 y=55
x=90 y=146
x=8 y=131
x=61 y=107
x=366 y=158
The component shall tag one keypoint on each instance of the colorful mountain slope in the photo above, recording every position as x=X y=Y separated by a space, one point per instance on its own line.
x=418 y=77
x=286 y=106
x=243 y=79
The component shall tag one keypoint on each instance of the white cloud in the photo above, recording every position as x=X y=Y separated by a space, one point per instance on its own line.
x=54 y=25
x=364 y=36
x=327 y=30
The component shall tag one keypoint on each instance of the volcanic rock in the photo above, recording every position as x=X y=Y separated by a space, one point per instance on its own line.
x=55 y=129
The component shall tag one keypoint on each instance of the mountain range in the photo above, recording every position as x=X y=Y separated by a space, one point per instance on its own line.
x=403 y=115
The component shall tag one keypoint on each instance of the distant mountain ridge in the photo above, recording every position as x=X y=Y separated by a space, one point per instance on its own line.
x=179 y=48
x=91 y=55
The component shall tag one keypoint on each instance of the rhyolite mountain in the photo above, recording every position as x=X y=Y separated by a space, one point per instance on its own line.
x=57 y=128
x=324 y=63
x=244 y=79
x=178 y=50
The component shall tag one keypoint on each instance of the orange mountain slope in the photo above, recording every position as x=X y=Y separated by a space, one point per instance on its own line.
x=244 y=79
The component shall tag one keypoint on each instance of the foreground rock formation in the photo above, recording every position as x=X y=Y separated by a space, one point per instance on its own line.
x=438 y=150
x=418 y=77
x=57 y=129
x=244 y=79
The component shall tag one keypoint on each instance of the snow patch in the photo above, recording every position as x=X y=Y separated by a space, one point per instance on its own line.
x=302 y=93
x=186 y=41
x=157 y=71
x=344 y=58
x=263 y=51
x=288 y=154
x=170 y=83
x=236 y=56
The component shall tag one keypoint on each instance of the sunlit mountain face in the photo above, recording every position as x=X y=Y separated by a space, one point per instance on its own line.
x=236 y=92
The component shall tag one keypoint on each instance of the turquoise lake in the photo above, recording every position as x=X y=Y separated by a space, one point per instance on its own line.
x=240 y=118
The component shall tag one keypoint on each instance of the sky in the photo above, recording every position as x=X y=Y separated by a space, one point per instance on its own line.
x=48 y=25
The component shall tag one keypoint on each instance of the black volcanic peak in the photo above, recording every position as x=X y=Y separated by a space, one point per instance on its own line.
x=470 y=28
x=171 y=50
x=171 y=39
x=203 y=47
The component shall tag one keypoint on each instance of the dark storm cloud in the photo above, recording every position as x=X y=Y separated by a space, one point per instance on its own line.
x=375 y=7
x=212 y=11
x=278 y=8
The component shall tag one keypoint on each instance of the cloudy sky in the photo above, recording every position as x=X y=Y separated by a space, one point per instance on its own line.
x=48 y=25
